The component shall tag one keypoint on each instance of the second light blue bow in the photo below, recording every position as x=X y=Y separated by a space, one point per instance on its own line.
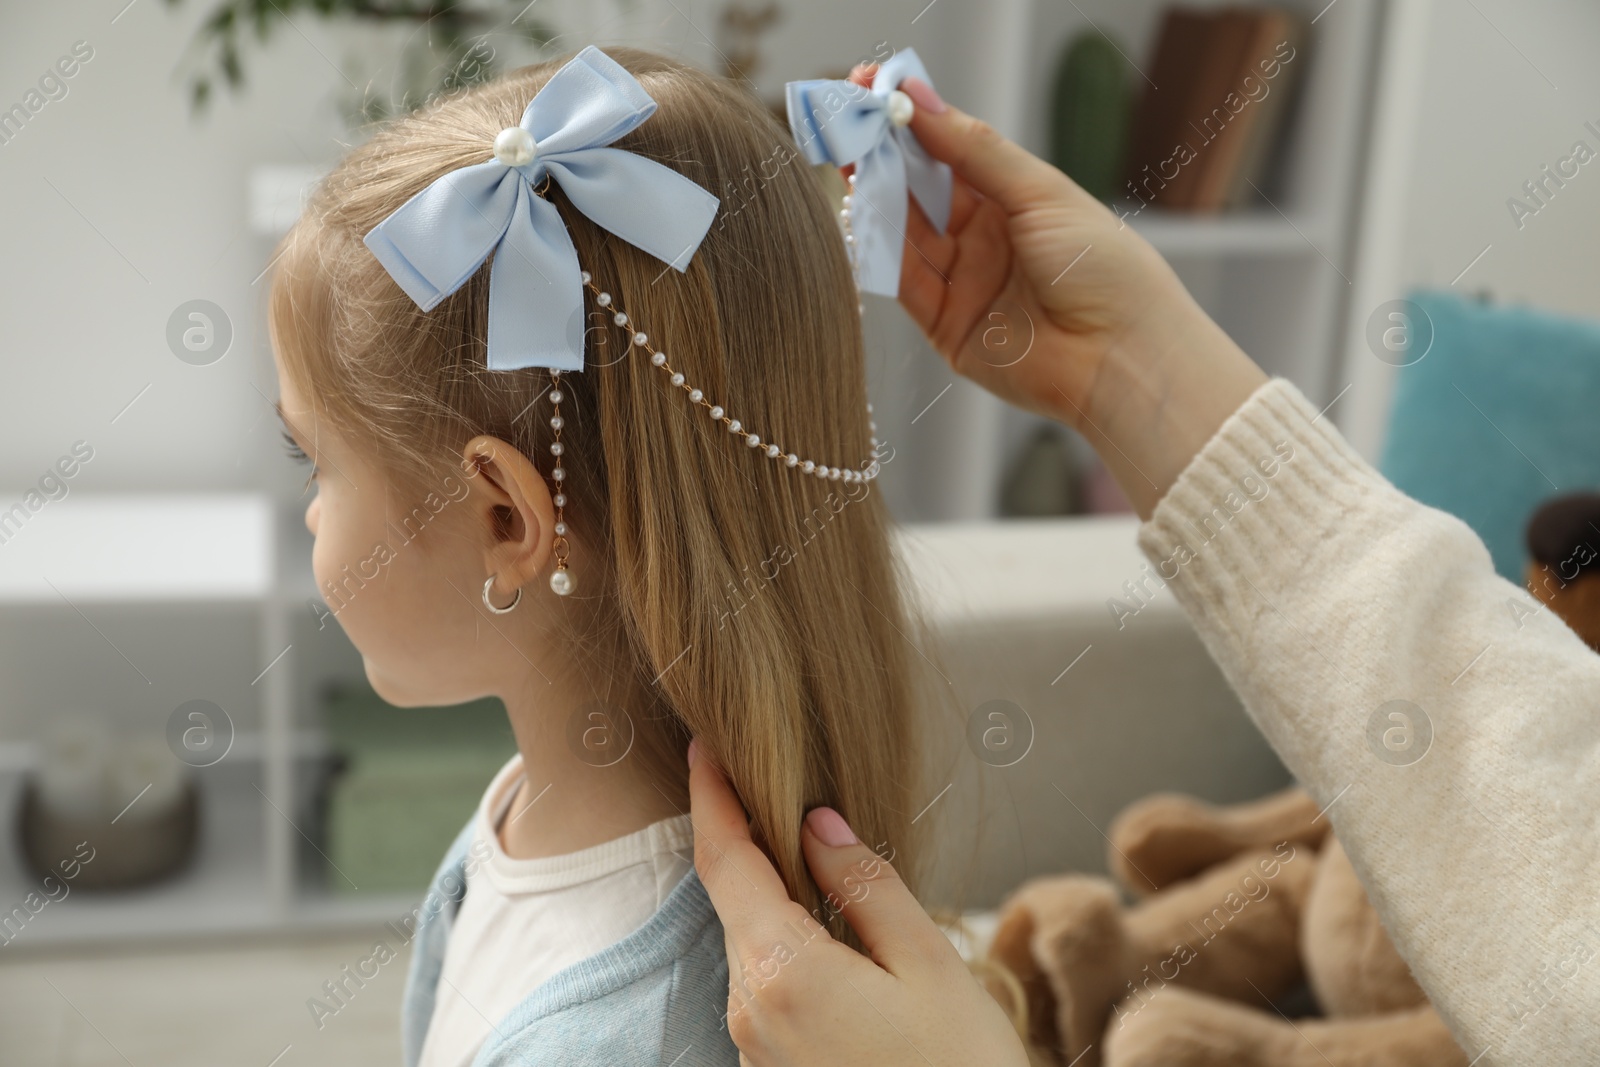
x=841 y=123
x=440 y=237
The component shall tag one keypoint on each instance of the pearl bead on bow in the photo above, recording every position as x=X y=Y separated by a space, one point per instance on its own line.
x=900 y=108
x=514 y=146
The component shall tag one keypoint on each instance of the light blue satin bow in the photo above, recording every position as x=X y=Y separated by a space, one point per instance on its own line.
x=840 y=122
x=440 y=237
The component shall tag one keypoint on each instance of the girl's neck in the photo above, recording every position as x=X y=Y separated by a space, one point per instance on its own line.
x=573 y=796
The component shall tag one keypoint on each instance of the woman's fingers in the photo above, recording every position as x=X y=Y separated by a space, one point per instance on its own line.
x=792 y=1002
x=998 y=168
x=949 y=292
x=924 y=284
x=864 y=887
x=744 y=887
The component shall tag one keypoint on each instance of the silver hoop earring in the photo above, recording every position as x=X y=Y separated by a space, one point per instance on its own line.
x=490 y=604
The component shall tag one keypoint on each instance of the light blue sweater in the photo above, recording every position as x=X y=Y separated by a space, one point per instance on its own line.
x=656 y=998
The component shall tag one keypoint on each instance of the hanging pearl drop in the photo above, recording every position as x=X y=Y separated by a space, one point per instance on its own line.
x=716 y=411
x=791 y=459
x=584 y=275
x=561 y=500
x=559 y=475
x=556 y=448
x=752 y=440
x=620 y=319
x=695 y=396
x=562 y=583
x=561 y=529
x=677 y=379
x=640 y=339
x=735 y=426
x=658 y=358
x=556 y=422
x=556 y=397
x=604 y=300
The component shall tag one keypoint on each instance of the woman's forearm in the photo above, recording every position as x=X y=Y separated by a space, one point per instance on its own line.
x=1449 y=723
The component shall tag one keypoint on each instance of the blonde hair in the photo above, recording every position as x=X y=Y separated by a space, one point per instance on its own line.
x=742 y=602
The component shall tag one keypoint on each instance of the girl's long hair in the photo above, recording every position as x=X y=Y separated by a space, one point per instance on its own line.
x=729 y=596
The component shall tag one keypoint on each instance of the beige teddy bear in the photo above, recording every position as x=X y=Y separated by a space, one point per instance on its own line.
x=1236 y=908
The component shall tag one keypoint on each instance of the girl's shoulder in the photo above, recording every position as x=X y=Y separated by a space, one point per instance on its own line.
x=659 y=996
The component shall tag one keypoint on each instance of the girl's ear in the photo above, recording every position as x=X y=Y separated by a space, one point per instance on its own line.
x=512 y=507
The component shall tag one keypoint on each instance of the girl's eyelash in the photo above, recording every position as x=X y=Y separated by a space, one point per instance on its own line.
x=292 y=446
x=298 y=454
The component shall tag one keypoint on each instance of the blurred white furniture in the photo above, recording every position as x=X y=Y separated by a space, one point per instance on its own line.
x=1112 y=705
x=106 y=599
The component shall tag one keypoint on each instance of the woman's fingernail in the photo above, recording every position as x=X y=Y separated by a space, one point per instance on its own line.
x=830 y=827
x=694 y=751
x=922 y=94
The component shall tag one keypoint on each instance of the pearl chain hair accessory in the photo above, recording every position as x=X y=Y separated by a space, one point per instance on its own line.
x=562 y=581
x=865 y=473
x=846 y=222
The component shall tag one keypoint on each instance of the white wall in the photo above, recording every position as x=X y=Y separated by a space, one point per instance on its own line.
x=1490 y=119
x=156 y=218
x=1499 y=88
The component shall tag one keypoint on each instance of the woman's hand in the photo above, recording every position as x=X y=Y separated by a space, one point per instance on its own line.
x=1039 y=293
x=796 y=996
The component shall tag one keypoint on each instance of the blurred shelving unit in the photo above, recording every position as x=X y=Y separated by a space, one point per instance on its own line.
x=1278 y=277
x=227 y=572
x=1258 y=234
x=99 y=574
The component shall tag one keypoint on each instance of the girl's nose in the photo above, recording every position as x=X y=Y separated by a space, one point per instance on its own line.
x=313 y=512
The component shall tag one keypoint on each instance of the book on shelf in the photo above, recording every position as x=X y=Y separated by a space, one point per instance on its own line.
x=1215 y=106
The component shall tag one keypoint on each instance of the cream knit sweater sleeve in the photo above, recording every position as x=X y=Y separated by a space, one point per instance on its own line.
x=1471 y=810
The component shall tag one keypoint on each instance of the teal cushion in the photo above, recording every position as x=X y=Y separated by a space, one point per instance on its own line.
x=1501 y=413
